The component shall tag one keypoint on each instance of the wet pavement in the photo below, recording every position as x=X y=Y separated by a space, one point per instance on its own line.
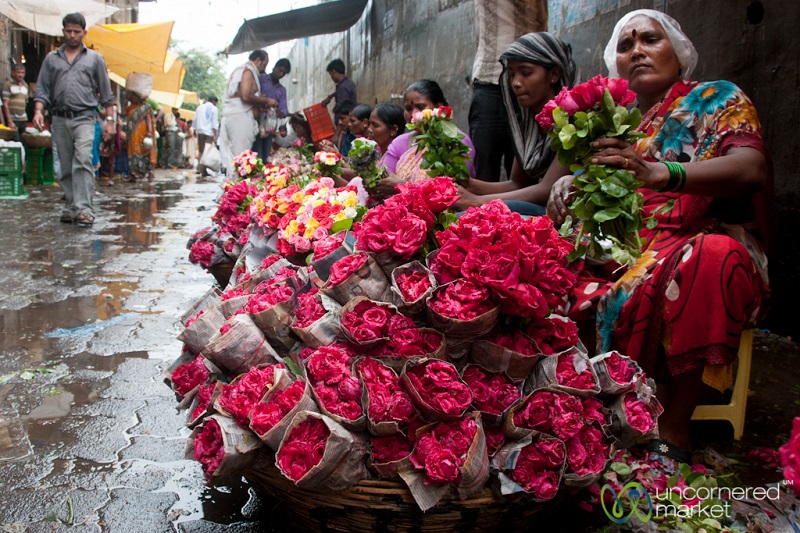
x=89 y=434
x=90 y=439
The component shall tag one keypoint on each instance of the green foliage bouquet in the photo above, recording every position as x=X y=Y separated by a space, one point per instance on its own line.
x=445 y=152
x=607 y=201
x=364 y=159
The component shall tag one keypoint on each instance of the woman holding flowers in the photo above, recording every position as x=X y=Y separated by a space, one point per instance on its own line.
x=386 y=123
x=701 y=279
x=402 y=159
x=535 y=68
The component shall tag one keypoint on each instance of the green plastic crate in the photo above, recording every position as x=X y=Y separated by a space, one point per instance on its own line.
x=10 y=159
x=39 y=166
x=11 y=185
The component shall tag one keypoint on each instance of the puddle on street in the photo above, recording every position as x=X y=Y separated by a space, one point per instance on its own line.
x=142 y=227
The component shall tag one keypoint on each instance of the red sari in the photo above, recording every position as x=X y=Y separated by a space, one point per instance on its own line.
x=695 y=288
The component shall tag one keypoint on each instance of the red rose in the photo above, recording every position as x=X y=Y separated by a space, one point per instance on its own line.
x=442 y=466
x=344 y=268
x=413 y=284
x=410 y=236
x=638 y=413
x=389 y=449
x=438 y=193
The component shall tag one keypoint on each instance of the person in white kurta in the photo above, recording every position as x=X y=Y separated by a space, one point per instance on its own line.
x=240 y=104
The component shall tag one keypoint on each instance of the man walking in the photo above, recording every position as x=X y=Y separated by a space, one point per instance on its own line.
x=241 y=104
x=68 y=83
x=206 y=125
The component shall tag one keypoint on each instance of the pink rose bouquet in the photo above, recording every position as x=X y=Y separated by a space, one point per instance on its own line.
x=463 y=300
x=444 y=153
x=619 y=369
x=267 y=296
x=203 y=399
x=302 y=448
x=587 y=452
x=436 y=389
x=409 y=342
x=204 y=253
x=638 y=413
x=309 y=309
x=553 y=335
x=413 y=284
x=335 y=386
x=344 y=268
x=369 y=321
x=208 y=448
x=266 y=415
x=492 y=392
x=514 y=341
x=390 y=448
x=386 y=400
x=570 y=374
x=327 y=245
x=233 y=213
x=607 y=201
x=521 y=262
x=442 y=450
x=554 y=413
x=187 y=376
x=538 y=468
x=239 y=397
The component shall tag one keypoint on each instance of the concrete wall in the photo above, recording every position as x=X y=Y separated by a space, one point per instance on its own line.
x=749 y=42
x=394 y=44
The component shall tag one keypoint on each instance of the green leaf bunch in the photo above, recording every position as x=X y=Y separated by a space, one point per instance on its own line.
x=445 y=152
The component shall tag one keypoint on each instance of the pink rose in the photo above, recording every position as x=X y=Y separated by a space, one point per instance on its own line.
x=345 y=267
x=409 y=237
x=438 y=193
x=545 y=116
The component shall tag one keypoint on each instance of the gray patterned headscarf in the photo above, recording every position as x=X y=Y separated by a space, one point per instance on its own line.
x=531 y=144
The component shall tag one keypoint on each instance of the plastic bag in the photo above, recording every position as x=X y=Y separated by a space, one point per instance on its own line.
x=211 y=158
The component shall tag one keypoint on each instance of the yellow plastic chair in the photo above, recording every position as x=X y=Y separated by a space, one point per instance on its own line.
x=735 y=410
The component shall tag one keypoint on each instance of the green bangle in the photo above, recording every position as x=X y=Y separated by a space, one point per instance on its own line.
x=677 y=177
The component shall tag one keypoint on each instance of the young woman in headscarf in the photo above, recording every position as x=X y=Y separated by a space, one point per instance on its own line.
x=535 y=68
x=701 y=280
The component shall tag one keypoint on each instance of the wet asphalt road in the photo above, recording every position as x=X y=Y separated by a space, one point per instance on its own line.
x=89 y=436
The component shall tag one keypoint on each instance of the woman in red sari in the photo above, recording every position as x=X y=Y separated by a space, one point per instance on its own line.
x=701 y=280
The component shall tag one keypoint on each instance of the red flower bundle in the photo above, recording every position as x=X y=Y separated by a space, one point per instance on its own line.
x=554 y=334
x=327 y=245
x=790 y=457
x=462 y=300
x=593 y=411
x=209 y=448
x=368 y=321
x=235 y=292
x=282 y=275
x=569 y=376
x=587 y=453
x=337 y=390
x=266 y=415
x=386 y=400
x=344 y=267
x=492 y=392
x=203 y=399
x=202 y=253
x=442 y=450
x=302 y=448
x=619 y=369
x=233 y=212
x=495 y=438
x=514 y=341
x=522 y=262
x=413 y=284
x=438 y=386
x=638 y=414
x=558 y=414
x=390 y=448
x=409 y=342
x=266 y=296
x=538 y=468
x=269 y=261
x=187 y=376
x=239 y=397
x=309 y=309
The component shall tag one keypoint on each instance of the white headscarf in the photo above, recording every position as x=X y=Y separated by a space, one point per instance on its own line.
x=684 y=49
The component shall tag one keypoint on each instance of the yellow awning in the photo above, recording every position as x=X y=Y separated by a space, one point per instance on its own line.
x=132 y=47
x=169 y=82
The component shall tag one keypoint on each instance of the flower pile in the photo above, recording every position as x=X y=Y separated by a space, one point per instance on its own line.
x=423 y=376
x=607 y=201
x=248 y=165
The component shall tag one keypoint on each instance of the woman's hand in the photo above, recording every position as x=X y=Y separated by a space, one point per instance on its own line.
x=616 y=152
x=325 y=145
x=386 y=186
x=560 y=198
x=467 y=199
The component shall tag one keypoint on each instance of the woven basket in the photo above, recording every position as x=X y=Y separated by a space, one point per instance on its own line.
x=379 y=505
x=7 y=134
x=37 y=141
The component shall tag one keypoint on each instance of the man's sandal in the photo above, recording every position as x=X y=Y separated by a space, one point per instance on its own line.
x=85 y=220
